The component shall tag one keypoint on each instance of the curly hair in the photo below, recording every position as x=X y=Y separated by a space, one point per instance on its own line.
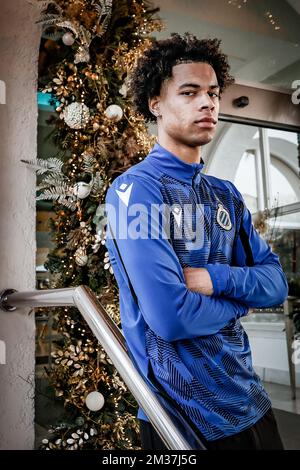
x=155 y=66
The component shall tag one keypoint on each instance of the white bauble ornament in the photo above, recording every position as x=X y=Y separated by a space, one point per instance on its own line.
x=94 y=401
x=68 y=39
x=76 y=115
x=80 y=257
x=114 y=112
x=82 y=189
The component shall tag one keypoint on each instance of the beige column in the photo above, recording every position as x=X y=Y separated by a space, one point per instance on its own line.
x=19 y=44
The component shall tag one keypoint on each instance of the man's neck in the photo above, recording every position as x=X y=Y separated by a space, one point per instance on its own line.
x=180 y=150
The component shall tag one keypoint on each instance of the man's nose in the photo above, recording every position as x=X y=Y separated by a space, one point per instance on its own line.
x=206 y=102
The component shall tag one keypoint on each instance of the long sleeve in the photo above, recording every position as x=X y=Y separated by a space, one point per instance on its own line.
x=168 y=307
x=256 y=276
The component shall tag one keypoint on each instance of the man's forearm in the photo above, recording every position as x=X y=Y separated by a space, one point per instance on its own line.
x=262 y=285
x=256 y=286
x=198 y=280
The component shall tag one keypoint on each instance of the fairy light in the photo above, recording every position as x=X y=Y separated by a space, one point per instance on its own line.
x=237 y=3
x=268 y=14
x=274 y=22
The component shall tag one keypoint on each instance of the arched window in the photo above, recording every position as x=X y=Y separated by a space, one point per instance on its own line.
x=283 y=192
x=247 y=181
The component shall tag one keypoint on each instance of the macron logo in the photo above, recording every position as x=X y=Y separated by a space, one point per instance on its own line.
x=124 y=192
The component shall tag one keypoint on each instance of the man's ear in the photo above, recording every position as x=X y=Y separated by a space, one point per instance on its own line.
x=153 y=104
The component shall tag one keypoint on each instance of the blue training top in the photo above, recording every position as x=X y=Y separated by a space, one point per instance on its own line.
x=195 y=344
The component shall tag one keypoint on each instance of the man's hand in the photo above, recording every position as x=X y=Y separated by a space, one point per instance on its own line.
x=198 y=280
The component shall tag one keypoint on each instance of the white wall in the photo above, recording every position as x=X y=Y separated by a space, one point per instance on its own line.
x=269 y=351
x=19 y=43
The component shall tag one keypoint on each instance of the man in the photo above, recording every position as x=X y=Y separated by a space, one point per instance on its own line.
x=187 y=276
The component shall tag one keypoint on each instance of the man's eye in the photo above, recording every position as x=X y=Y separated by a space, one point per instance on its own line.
x=188 y=93
x=214 y=95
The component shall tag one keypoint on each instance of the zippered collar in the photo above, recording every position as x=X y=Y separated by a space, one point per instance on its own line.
x=173 y=166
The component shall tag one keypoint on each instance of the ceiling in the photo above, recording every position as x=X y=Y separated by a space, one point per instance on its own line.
x=260 y=37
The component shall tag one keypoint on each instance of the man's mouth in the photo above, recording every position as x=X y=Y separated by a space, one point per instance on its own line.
x=208 y=122
x=206 y=119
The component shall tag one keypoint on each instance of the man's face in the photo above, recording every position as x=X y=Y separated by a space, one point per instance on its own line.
x=188 y=97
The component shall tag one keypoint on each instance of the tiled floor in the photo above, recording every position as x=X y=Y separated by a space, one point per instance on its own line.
x=287 y=413
x=281 y=397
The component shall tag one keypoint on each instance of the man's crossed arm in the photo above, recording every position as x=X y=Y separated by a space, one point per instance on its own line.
x=256 y=277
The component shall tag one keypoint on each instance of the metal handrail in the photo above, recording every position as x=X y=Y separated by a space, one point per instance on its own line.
x=112 y=341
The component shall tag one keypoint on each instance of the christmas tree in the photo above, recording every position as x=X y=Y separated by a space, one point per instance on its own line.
x=87 y=52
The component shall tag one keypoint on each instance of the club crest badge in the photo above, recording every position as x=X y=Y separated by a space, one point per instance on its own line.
x=223 y=218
